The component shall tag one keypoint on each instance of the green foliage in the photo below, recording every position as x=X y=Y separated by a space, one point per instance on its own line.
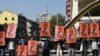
x=53 y=21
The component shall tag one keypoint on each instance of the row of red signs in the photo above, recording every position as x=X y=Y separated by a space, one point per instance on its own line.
x=30 y=50
x=89 y=30
x=11 y=33
x=84 y=30
x=59 y=32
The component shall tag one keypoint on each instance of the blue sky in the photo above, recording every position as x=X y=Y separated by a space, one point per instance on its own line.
x=31 y=8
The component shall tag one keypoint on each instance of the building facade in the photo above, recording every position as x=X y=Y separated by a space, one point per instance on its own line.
x=8 y=17
x=43 y=17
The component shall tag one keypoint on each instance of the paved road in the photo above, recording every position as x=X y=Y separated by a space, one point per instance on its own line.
x=65 y=53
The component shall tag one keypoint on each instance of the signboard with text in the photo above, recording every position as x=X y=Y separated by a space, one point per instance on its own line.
x=2 y=38
x=71 y=35
x=94 y=30
x=45 y=29
x=59 y=33
x=11 y=31
x=22 y=50
x=32 y=47
x=83 y=30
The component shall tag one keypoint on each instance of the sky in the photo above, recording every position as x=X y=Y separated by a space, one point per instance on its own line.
x=30 y=8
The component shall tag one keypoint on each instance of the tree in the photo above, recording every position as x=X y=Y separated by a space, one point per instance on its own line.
x=53 y=22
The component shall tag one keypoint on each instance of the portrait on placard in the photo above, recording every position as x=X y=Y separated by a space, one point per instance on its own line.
x=94 y=30
x=22 y=50
x=2 y=38
x=84 y=30
x=71 y=35
x=59 y=32
x=45 y=29
x=32 y=47
x=11 y=31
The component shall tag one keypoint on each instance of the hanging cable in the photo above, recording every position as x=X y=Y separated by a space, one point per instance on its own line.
x=91 y=18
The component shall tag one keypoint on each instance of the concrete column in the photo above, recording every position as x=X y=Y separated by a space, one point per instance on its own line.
x=74 y=8
x=75 y=11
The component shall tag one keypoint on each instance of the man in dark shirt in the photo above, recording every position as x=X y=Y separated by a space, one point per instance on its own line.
x=84 y=52
x=46 y=48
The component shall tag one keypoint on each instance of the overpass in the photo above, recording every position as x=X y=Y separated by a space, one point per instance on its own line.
x=71 y=23
x=82 y=13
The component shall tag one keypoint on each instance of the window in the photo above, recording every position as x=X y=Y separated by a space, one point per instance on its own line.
x=13 y=18
x=6 y=19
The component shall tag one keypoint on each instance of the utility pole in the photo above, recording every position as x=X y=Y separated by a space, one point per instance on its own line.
x=57 y=19
x=47 y=12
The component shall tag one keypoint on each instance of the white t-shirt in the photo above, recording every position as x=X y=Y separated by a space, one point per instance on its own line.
x=94 y=45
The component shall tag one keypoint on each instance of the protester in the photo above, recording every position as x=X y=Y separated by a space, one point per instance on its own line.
x=94 y=48
x=72 y=49
x=84 y=52
x=59 y=50
x=46 y=48
x=78 y=43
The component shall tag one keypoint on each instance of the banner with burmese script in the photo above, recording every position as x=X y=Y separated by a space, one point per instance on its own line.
x=71 y=36
x=83 y=30
x=94 y=30
x=45 y=29
x=32 y=47
x=2 y=38
x=22 y=50
x=11 y=31
x=59 y=33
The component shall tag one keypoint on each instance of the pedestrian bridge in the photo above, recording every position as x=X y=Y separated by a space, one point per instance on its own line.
x=82 y=13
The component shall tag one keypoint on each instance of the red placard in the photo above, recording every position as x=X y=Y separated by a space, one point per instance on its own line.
x=22 y=50
x=11 y=31
x=45 y=29
x=59 y=33
x=94 y=30
x=32 y=47
x=71 y=35
x=84 y=30
x=2 y=38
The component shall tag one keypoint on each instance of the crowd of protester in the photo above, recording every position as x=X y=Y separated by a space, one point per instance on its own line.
x=82 y=45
